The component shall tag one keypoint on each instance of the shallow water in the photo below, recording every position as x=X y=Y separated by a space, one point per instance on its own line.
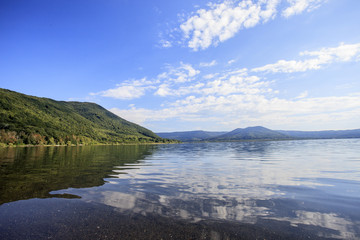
x=243 y=190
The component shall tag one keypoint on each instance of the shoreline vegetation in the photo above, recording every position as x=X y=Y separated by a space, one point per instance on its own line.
x=29 y=120
x=2 y=145
x=14 y=139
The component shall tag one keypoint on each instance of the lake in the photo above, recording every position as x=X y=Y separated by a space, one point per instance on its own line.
x=305 y=189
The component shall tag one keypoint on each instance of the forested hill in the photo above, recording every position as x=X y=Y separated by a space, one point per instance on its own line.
x=32 y=120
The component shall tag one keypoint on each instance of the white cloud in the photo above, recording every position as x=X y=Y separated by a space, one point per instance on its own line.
x=214 y=84
x=165 y=43
x=208 y=64
x=221 y=21
x=124 y=92
x=241 y=97
x=132 y=89
x=163 y=90
x=181 y=74
x=252 y=109
x=235 y=84
x=342 y=53
x=298 y=6
x=210 y=76
x=231 y=61
x=127 y=90
x=302 y=95
x=191 y=71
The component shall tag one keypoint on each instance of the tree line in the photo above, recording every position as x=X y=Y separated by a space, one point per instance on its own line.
x=11 y=138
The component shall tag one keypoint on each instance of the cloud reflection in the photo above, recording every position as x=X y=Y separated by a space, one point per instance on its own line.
x=244 y=182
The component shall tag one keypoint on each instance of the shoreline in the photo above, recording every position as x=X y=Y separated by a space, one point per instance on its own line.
x=179 y=142
x=82 y=145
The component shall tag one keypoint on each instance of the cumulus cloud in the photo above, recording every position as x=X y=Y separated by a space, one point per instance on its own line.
x=225 y=83
x=164 y=90
x=181 y=74
x=242 y=95
x=252 y=109
x=221 y=21
x=236 y=83
x=318 y=59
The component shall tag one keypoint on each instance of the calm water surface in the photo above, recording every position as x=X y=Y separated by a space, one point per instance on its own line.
x=243 y=190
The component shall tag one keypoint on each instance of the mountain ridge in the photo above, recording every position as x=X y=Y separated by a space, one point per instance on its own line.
x=262 y=133
x=251 y=133
x=26 y=119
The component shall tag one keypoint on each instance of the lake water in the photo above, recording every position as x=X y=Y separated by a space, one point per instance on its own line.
x=306 y=189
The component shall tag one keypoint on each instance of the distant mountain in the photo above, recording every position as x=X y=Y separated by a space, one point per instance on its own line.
x=258 y=133
x=251 y=133
x=190 y=136
x=322 y=134
x=33 y=120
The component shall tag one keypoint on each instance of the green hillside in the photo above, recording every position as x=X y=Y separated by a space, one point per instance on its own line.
x=32 y=120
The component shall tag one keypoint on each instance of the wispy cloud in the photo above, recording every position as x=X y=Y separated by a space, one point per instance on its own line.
x=208 y=64
x=165 y=43
x=124 y=92
x=242 y=95
x=127 y=90
x=315 y=59
x=221 y=21
x=231 y=61
x=299 y=6
x=210 y=76
x=302 y=95
x=162 y=85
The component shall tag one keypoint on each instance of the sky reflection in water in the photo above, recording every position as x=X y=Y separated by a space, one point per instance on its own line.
x=306 y=183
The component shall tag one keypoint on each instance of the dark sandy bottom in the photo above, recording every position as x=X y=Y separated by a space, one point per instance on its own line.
x=74 y=219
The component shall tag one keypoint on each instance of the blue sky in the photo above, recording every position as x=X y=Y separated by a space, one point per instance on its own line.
x=188 y=65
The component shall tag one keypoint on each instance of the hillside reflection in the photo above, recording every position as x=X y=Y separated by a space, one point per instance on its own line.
x=241 y=182
x=33 y=172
